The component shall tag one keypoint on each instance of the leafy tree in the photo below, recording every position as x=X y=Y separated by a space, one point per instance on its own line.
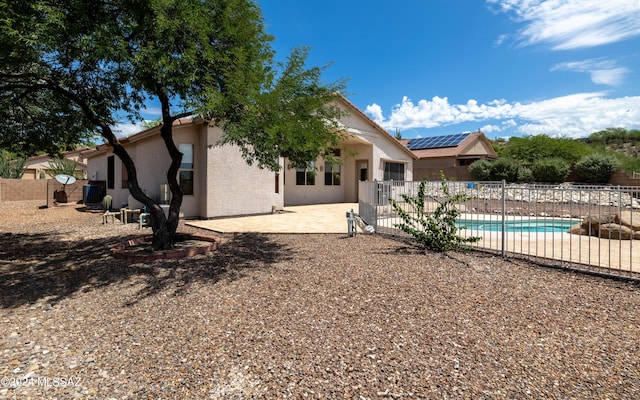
x=551 y=170
x=596 y=168
x=211 y=58
x=531 y=148
x=34 y=121
x=436 y=232
x=615 y=135
x=11 y=168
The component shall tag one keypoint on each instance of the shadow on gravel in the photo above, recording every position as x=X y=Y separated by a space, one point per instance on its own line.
x=44 y=267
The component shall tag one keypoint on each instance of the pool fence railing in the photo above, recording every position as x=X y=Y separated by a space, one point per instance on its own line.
x=589 y=228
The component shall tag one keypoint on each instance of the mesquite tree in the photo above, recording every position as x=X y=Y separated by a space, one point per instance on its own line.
x=95 y=59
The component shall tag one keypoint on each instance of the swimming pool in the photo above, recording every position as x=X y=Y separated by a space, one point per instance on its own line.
x=522 y=226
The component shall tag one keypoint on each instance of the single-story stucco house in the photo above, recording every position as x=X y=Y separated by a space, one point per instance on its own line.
x=217 y=181
x=37 y=167
x=451 y=154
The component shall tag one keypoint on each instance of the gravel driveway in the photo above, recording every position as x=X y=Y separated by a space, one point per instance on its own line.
x=299 y=316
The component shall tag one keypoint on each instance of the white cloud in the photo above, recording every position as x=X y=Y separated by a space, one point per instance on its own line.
x=375 y=111
x=154 y=112
x=602 y=72
x=575 y=115
x=126 y=129
x=504 y=125
x=572 y=24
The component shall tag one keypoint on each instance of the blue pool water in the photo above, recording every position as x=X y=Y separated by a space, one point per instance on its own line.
x=523 y=226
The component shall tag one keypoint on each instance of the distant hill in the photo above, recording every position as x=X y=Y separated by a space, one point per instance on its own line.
x=624 y=144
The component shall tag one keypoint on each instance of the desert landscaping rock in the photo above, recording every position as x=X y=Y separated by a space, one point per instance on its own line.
x=623 y=225
x=299 y=316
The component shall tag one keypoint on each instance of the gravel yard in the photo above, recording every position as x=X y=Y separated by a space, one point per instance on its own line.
x=298 y=316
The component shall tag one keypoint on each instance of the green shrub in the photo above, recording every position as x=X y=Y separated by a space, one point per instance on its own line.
x=504 y=168
x=480 y=170
x=596 y=168
x=524 y=175
x=550 y=170
x=11 y=168
x=436 y=232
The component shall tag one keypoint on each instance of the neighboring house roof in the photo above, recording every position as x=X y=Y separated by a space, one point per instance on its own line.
x=461 y=150
x=42 y=161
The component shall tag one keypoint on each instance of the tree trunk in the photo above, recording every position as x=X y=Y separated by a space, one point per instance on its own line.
x=164 y=228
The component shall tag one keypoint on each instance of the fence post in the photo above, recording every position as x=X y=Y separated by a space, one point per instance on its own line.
x=504 y=214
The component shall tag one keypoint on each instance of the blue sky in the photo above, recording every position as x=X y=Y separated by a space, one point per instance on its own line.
x=507 y=67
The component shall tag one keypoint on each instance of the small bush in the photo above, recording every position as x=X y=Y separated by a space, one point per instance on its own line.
x=480 y=170
x=525 y=175
x=436 y=232
x=504 y=168
x=596 y=168
x=550 y=170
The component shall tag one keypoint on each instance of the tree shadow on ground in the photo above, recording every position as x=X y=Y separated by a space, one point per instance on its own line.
x=43 y=267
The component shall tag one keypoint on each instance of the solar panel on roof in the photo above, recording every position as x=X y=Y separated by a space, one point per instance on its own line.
x=436 y=142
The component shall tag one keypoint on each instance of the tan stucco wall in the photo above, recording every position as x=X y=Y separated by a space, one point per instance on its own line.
x=318 y=193
x=152 y=161
x=371 y=145
x=224 y=184
x=236 y=188
x=384 y=148
x=478 y=148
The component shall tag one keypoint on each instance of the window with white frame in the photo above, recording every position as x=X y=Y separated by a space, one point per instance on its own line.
x=185 y=173
x=306 y=176
x=393 y=171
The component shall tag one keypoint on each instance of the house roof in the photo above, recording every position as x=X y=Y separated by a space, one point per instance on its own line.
x=376 y=126
x=100 y=149
x=154 y=130
x=455 y=151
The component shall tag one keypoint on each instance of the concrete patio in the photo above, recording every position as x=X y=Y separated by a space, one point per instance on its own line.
x=317 y=218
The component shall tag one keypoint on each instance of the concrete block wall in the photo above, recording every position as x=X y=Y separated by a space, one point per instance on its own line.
x=22 y=189
x=73 y=191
